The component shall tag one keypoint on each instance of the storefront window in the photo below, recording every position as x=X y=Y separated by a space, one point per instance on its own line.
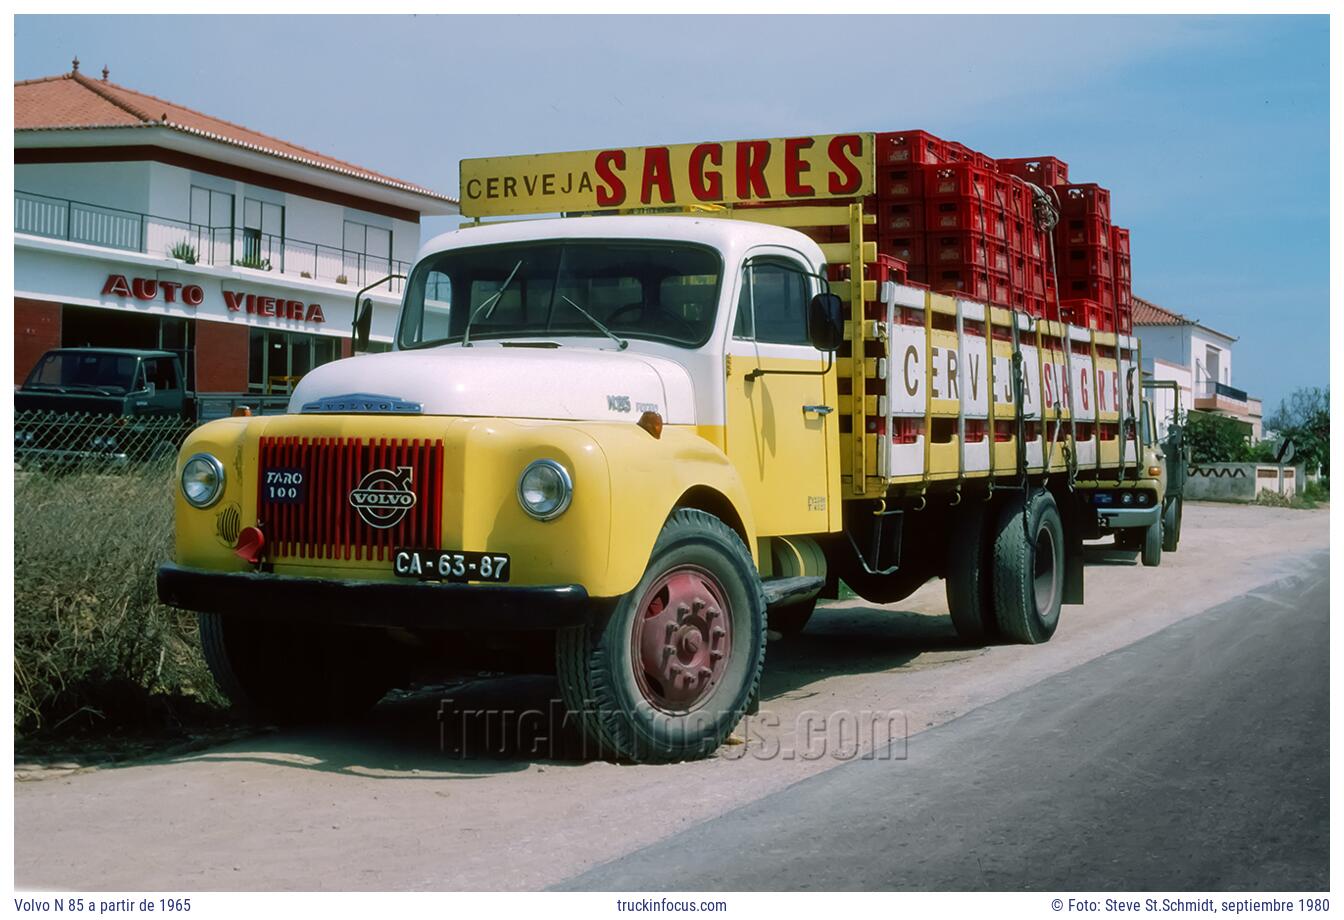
x=277 y=360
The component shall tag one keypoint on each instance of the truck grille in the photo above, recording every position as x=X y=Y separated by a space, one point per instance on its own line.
x=350 y=499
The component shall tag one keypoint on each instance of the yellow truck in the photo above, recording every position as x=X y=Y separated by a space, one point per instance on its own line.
x=657 y=437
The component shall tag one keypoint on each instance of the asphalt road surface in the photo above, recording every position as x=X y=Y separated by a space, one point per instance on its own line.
x=1172 y=736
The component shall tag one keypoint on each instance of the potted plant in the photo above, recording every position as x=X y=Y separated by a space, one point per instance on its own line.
x=341 y=279
x=185 y=252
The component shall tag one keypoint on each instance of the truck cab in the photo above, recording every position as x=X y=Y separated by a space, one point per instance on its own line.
x=100 y=404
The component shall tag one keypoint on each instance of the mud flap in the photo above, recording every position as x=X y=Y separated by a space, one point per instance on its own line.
x=1073 y=549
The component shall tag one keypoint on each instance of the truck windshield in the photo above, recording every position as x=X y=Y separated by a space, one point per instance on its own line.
x=67 y=370
x=643 y=290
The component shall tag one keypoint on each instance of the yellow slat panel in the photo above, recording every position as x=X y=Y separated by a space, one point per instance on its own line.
x=835 y=253
x=869 y=404
x=942 y=303
x=870 y=332
x=841 y=290
x=844 y=367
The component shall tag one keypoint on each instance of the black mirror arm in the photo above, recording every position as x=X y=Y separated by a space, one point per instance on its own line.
x=358 y=314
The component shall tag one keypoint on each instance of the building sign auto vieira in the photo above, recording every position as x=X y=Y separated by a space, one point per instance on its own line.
x=193 y=295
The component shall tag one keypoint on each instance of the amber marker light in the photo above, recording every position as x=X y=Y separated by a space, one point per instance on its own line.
x=651 y=422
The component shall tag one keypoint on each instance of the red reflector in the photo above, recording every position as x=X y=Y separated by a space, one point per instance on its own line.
x=241 y=411
x=251 y=543
x=651 y=422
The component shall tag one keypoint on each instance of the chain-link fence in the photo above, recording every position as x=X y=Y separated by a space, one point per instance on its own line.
x=50 y=441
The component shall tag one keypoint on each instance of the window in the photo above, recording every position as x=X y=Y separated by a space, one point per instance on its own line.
x=368 y=251
x=161 y=373
x=661 y=291
x=773 y=305
x=263 y=232
x=276 y=360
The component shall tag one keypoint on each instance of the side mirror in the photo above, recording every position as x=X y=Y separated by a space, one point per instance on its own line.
x=826 y=322
x=363 y=323
x=150 y=388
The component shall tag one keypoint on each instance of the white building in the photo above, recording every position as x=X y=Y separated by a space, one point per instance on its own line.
x=1196 y=357
x=142 y=223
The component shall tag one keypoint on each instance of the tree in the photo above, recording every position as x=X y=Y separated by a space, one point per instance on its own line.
x=1217 y=438
x=1304 y=418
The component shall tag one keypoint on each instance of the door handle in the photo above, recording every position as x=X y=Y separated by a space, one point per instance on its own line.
x=819 y=410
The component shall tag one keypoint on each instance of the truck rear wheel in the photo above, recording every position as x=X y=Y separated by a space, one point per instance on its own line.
x=289 y=673
x=1171 y=525
x=679 y=659
x=970 y=588
x=1029 y=569
x=1152 y=544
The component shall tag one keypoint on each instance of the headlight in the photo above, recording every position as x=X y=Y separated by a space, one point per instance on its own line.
x=544 y=489
x=202 y=480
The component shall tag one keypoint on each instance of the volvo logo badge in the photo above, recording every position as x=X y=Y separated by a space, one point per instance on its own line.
x=383 y=496
x=363 y=403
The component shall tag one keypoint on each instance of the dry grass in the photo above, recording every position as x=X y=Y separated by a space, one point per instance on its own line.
x=91 y=642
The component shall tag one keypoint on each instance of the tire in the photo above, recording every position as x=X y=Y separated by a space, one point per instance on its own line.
x=970 y=578
x=791 y=619
x=1151 y=553
x=633 y=698
x=281 y=672
x=1029 y=569
x=1171 y=526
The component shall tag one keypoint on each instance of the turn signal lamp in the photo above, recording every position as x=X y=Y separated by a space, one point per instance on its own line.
x=242 y=411
x=651 y=422
x=1154 y=471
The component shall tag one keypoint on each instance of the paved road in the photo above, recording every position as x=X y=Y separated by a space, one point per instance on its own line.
x=1167 y=727
x=1195 y=759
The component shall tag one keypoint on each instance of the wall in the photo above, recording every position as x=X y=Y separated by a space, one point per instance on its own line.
x=37 y=329
x=1240 y=482
x=112 y=185
x=221 y=358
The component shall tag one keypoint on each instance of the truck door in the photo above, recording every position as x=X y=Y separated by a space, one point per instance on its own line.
x=781 y=433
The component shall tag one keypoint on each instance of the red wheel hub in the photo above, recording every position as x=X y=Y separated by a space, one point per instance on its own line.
x=682 y=639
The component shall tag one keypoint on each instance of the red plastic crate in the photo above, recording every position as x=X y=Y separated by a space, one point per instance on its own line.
x=1120 y=268
x=958 y=248
x=1034 y=276
x=1013 y=196
x=1035 y=247
x=1035 y=305
x=1017 y=233
x=913 y=147
x=964 y=214
x=970 y=282
x=1000 y=289
x=1083 y=230
x=959 y=180
x=1100 y=290
x=900 y=182
x=1042 y=171
x=1089 y=198
x=900 y=217
x=1086 y=313
x=908 y=247
x=1085 y=262
x=1120 y=240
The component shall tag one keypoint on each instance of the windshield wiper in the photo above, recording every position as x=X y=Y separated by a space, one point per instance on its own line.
x=596 y=322
x=488 y=305
x=89 y=386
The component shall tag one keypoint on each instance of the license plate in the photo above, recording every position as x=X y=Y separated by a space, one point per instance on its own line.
x=283 y=486
x=450 y=565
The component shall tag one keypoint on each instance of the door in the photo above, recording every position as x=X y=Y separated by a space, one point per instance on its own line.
x=781 y=433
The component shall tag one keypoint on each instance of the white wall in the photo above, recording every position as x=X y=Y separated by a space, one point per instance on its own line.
x=112 y=185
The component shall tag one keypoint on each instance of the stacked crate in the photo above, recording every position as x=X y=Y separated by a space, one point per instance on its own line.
x=1083 y=256
x=1042 y=172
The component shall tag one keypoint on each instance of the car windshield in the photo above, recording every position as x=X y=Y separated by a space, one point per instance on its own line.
x=661 y=291
x=109 y=373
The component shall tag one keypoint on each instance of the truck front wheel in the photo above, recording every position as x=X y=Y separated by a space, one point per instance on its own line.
x=289 y=673
x=1171 y=525
x=1029 y=569
x=677 y=662
x=1151 y=553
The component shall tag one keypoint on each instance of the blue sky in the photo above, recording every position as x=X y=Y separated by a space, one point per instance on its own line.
x=1210 y=131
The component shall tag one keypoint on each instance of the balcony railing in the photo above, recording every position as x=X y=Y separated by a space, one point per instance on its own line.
x=1210 y=389
x=132 y=231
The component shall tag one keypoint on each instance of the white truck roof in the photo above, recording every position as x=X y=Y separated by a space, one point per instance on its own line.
x=728 y=236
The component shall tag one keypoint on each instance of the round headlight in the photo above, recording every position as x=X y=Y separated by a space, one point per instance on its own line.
x=544 y=489
x=202 y=480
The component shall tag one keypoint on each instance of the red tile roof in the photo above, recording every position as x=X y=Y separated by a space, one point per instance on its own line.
x=1147 y=313
x=73 y=101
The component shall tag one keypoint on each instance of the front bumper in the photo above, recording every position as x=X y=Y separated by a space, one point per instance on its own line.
x=407 y=604
x=1125 y=518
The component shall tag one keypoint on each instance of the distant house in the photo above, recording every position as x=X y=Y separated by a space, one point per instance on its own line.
x=142 y=223
x=1199 y=359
